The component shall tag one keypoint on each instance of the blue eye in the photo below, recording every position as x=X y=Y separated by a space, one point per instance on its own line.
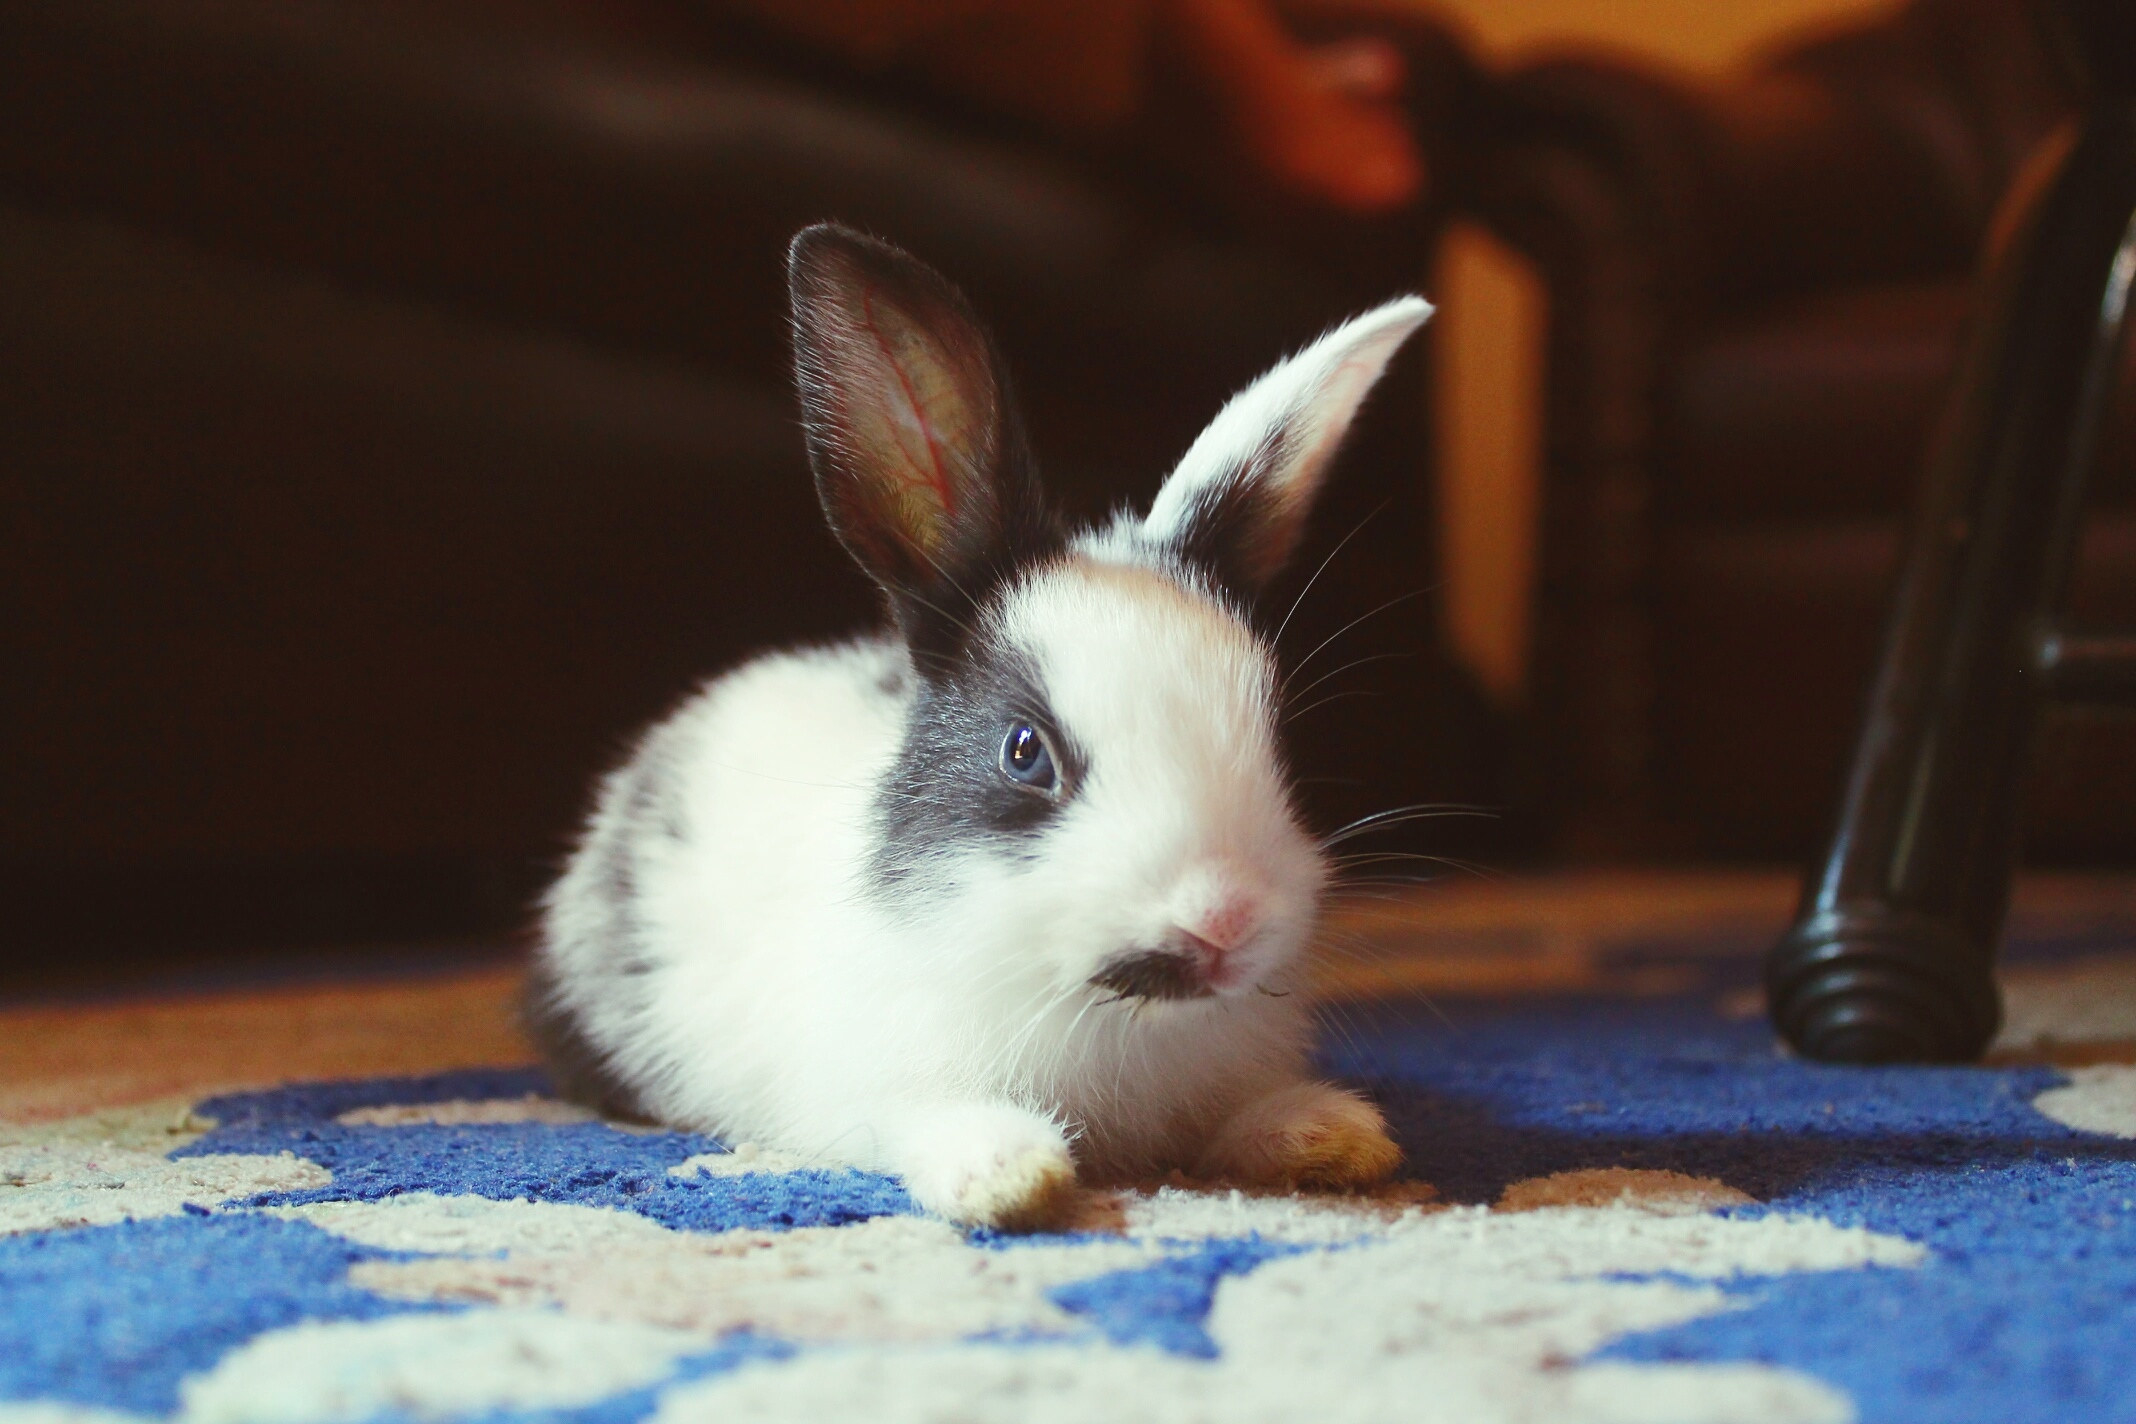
x=1026 y=759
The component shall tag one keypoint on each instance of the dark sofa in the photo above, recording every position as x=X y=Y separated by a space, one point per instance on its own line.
x=394 y=414
x=1759 y=286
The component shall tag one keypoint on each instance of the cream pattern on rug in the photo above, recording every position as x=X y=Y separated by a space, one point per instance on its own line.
x=1322 y=1308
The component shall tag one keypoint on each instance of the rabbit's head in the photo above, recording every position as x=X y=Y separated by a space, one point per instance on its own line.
x=1090 y=791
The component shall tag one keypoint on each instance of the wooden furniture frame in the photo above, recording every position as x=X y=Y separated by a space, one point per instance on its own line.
x=1891 y=958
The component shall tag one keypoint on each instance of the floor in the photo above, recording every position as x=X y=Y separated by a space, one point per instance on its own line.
x=1642 y=932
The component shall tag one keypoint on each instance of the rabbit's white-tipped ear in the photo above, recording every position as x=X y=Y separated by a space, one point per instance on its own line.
x=1237 y=503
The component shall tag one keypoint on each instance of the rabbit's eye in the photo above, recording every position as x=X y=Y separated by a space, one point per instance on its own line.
x=1026 y=759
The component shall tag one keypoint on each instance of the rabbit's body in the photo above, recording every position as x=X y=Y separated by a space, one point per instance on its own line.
x=1016 y=887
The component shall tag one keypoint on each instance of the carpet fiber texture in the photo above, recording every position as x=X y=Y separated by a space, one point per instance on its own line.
x=1638 y=1210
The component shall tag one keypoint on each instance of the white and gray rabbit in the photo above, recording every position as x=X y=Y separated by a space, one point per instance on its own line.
x=1017 y=886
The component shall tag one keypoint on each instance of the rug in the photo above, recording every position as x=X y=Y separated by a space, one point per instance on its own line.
x=1623 y=1204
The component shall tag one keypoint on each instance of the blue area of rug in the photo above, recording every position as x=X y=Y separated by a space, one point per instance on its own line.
x=2023 y=1311
x=116 y=1316
x=583 y=1164
x=1165 y=1305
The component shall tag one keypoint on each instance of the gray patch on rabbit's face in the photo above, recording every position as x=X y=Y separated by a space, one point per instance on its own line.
x=946 y=796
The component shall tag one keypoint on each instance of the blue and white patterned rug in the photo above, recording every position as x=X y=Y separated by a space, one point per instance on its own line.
x=1643 y=1212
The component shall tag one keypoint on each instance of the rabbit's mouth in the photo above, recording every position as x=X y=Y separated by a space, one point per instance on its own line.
x=1154 y=974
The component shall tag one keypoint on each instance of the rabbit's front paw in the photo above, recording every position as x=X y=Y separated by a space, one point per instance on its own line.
x=985 y=1164
x=1306 y=1135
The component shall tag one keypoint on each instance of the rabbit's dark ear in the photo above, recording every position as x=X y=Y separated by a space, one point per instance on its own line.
x=919 y=455
x=1237 y=503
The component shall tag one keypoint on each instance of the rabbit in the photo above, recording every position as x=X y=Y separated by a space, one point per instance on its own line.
x=1016 y=886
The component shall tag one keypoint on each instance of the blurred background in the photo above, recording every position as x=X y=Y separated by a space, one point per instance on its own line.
x=394 y=408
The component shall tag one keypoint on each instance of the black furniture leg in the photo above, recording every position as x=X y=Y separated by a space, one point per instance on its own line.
x=1891 y=957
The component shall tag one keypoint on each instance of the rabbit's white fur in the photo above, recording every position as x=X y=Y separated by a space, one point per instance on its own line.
x=722 y=944
x=786 y=1004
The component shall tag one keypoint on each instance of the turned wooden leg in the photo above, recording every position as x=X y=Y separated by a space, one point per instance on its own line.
x=1891 y=958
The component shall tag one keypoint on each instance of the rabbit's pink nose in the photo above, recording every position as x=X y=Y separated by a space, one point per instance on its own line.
x=1214 y=949
x=1229 y=923
x=1212 y=965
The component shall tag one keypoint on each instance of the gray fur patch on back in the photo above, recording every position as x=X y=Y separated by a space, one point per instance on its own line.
x=651 y=797
x=642 y=805
x=581 y=1070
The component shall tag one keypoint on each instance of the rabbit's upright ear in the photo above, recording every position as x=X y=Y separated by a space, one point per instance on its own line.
x=1237 y=503
x=919 y=454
